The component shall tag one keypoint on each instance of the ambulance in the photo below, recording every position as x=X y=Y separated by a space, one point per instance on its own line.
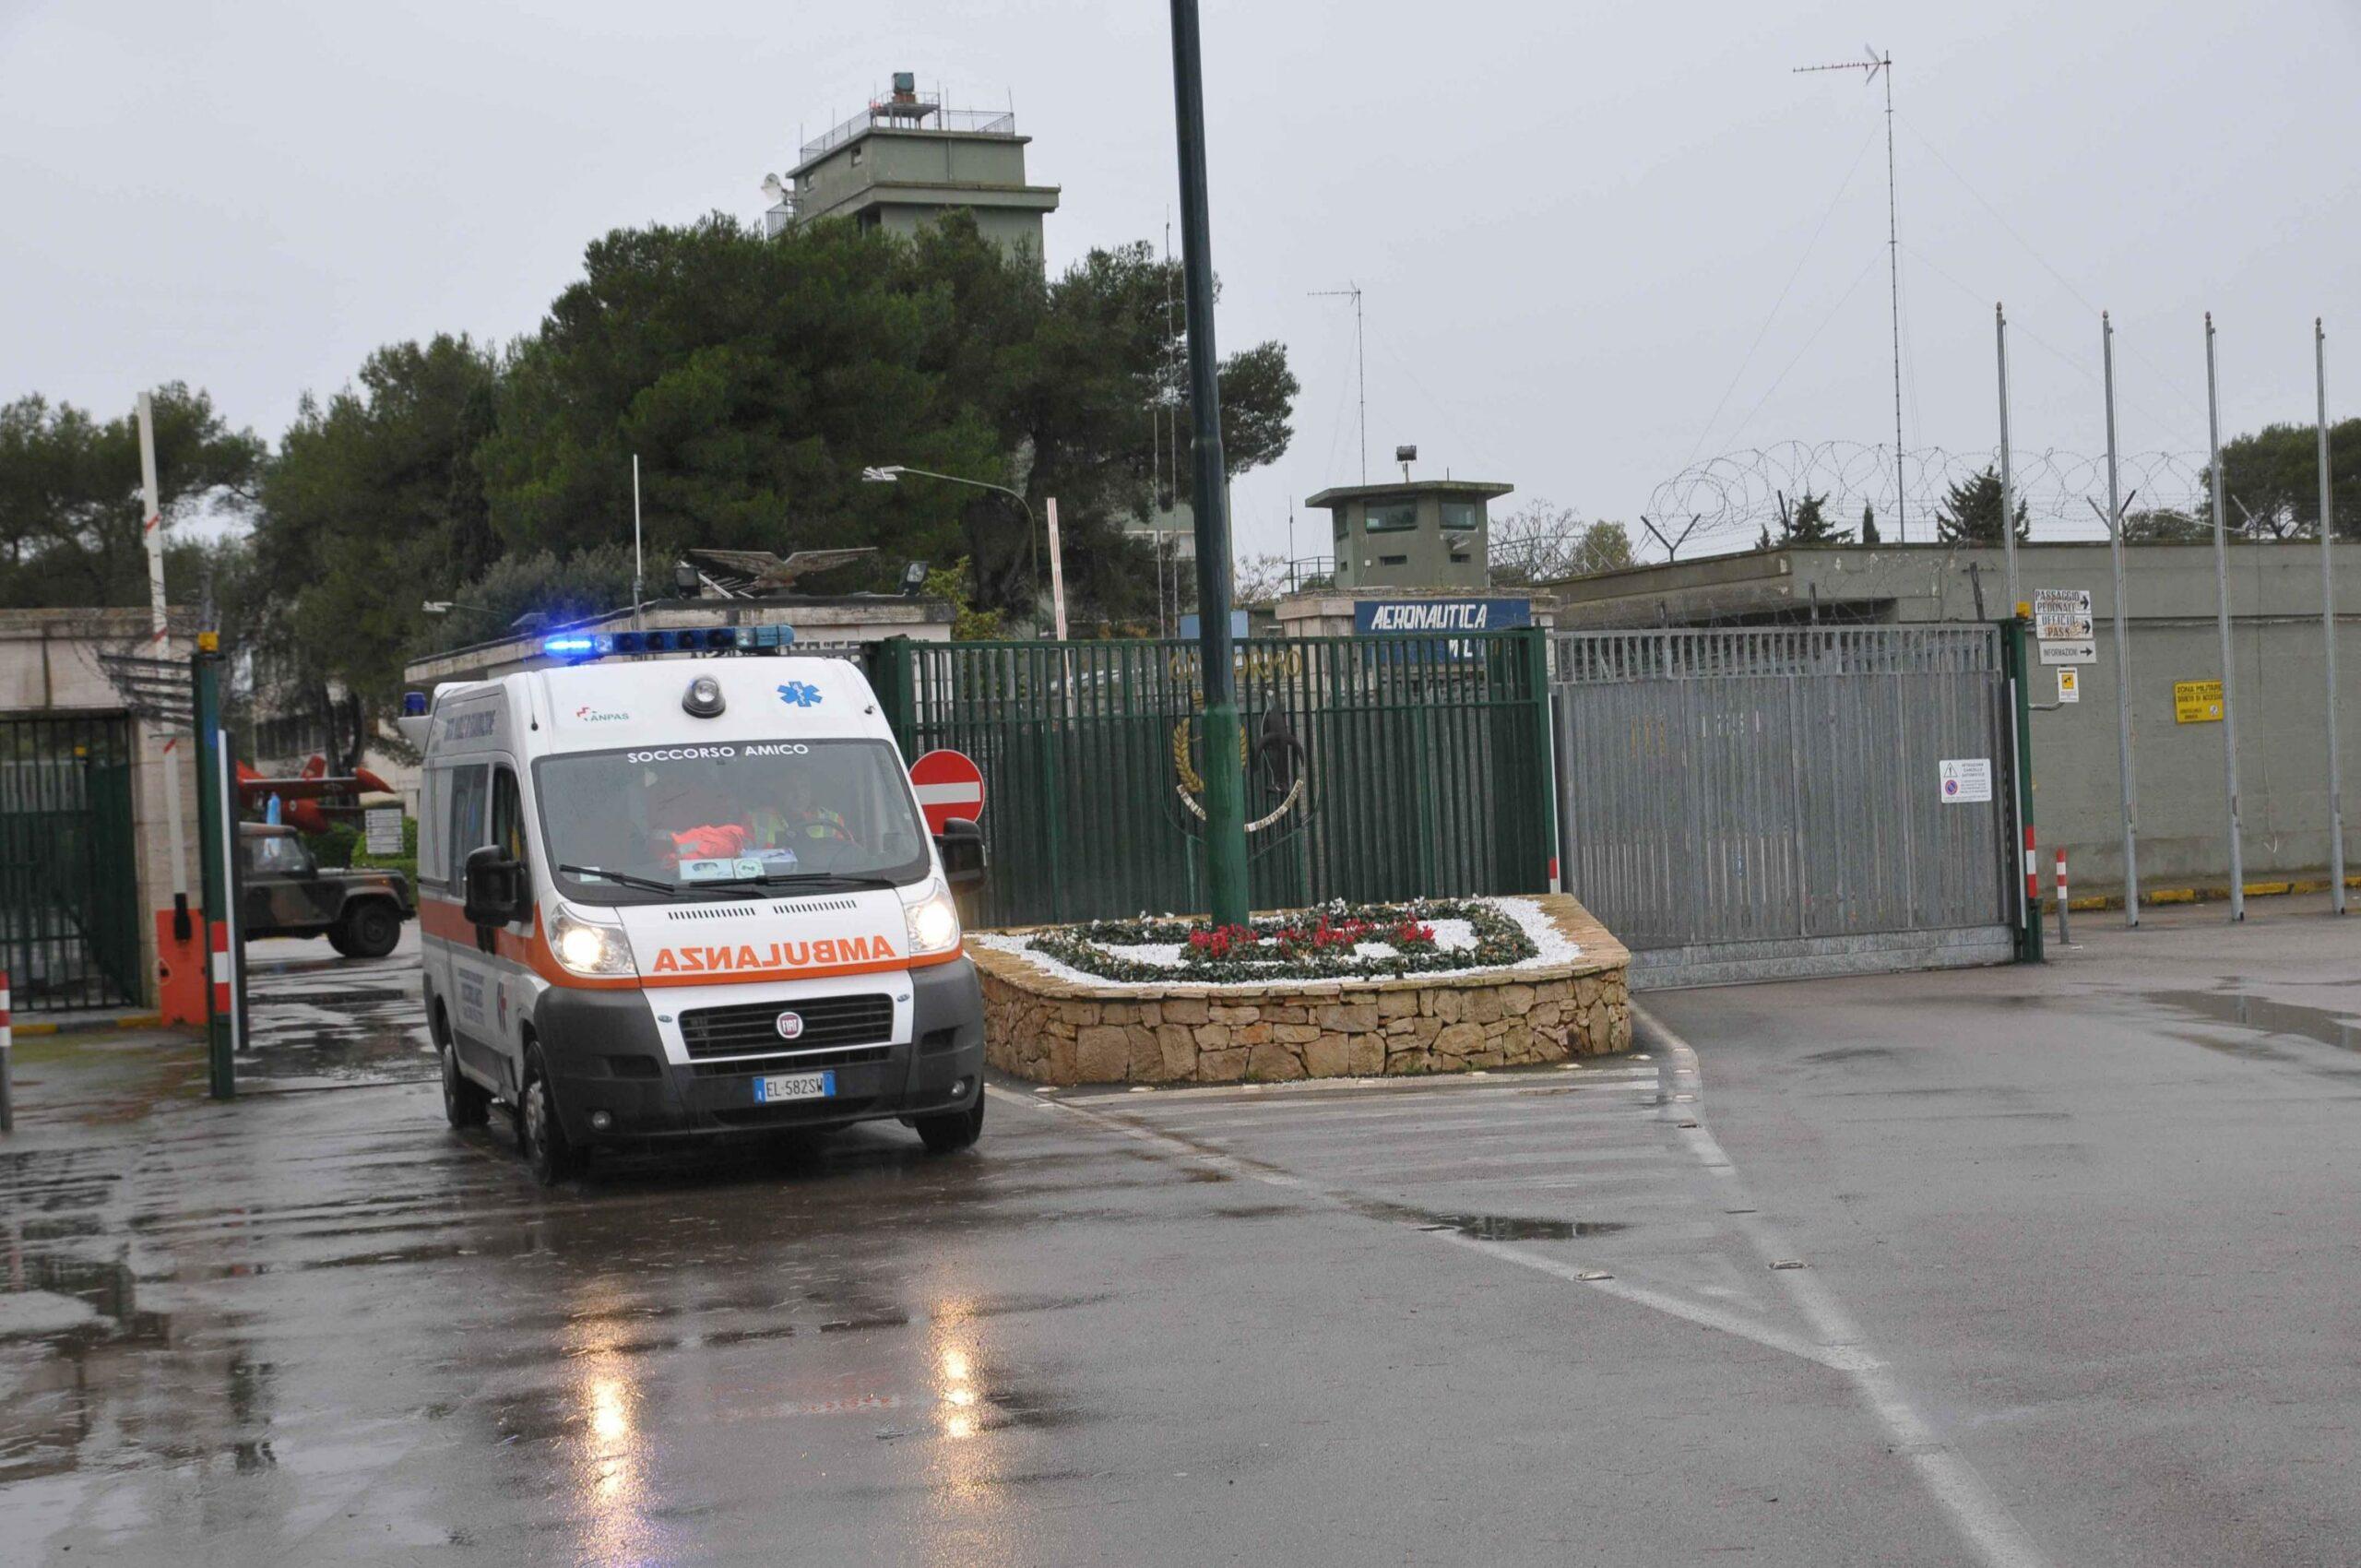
x=670 y=897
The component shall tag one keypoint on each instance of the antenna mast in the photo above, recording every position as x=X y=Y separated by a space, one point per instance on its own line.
x=1361 y=360
x=1871 y=66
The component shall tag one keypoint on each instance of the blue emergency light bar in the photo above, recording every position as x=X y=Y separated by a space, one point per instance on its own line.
x=577 y=648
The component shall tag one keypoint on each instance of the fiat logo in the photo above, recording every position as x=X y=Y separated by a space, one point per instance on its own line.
x=790 y=1025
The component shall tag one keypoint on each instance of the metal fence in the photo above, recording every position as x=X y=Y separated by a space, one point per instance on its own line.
x=1749 y=802
x=69 y=896
x=1417 y=765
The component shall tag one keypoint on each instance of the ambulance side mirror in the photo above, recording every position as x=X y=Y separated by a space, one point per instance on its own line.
x=961 y=845
x=494 y=887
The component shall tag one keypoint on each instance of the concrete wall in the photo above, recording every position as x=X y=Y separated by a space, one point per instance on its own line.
x=49 y=666
x=2182 y=800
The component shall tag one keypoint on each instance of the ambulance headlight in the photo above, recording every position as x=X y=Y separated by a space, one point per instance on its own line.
x=935 y=920
x=590 y=949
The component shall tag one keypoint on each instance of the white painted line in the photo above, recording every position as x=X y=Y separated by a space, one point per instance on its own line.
x=1982 y=1520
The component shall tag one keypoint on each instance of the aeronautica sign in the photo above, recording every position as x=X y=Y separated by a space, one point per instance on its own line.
x=1452 y=618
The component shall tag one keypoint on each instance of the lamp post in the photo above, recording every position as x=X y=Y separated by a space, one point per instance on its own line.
x=1225 y=780
x=891 y=473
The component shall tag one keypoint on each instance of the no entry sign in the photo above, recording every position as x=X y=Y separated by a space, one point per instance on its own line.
x=949 y=785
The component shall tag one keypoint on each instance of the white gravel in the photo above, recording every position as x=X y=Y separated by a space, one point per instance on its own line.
x=1551 y=947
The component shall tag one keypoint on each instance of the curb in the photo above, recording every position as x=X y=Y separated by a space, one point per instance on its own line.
x=123 y=1021
x=2210 y=894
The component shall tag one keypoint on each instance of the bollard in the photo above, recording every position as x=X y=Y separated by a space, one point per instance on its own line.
x=7 y=1051
x=2063 y=938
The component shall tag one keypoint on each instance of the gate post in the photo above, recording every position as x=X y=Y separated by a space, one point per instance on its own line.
x=2020 y=700
x=216 y=815
x=1535 y=649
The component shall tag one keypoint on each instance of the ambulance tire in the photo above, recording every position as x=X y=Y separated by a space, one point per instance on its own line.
x=465 y=1103
x=953 y=1130
x=540 y=1136
x=370 y=929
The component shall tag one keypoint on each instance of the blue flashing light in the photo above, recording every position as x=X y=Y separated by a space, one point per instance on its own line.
x=413 y=705
x=572 y=645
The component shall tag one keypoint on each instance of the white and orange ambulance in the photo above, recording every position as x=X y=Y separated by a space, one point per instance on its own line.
x=670 y=896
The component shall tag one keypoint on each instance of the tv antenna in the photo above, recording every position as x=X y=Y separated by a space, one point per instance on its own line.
x=1361 y=360
x=1873 y=66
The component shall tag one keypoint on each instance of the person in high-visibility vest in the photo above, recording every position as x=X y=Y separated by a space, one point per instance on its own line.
x=803 y=819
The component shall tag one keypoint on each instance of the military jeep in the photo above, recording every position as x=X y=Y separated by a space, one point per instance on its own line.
x=285 y=892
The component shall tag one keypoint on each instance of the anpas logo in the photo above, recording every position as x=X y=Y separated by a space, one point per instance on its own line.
x=600 y=716
x=802 y=693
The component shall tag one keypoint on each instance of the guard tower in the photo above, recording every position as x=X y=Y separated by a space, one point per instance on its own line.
x=906 y=160
x=1416 y=533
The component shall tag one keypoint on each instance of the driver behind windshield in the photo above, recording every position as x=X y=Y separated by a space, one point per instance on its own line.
x=800 y=819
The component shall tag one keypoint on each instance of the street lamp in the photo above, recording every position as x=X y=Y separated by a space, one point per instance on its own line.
x=891 y=473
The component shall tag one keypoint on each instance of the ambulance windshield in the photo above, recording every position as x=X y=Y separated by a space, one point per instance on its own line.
x=720 y=821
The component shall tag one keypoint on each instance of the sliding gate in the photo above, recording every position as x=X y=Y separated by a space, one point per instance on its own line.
x=69 y=894
x=1748 y=805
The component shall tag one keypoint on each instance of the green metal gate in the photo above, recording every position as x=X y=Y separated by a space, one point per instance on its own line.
x=69 y=890
x=1422 y=768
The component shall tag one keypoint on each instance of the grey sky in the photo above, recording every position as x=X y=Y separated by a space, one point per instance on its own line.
x=1571 y=219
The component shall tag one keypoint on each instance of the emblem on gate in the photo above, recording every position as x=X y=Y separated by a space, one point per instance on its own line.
x=790 y=1025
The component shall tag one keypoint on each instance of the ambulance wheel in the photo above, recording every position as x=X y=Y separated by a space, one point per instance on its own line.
x=369 y=930
x=541 y=1137
x=953 y=1130
x=465 y=1103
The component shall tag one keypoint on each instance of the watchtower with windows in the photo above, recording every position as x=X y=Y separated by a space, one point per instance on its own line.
x=1413 y=533
x=906 y=159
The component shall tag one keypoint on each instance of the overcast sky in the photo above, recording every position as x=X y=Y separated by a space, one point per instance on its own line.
x=1572 y=221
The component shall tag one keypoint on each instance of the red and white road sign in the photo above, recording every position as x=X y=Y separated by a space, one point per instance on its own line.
x=949 y=785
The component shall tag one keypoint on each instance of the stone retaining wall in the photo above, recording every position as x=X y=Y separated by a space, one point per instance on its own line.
x=1056 y=1031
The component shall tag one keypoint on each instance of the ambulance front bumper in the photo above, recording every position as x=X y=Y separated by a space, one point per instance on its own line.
x=615 y=1085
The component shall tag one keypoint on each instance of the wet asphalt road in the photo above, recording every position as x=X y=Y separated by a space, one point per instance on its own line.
x=2081 y=1284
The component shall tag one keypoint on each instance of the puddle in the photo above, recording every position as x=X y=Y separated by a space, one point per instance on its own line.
x=2320 y=1024
x=1516 y=1228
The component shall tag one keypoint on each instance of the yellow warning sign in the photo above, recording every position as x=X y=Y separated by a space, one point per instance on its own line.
x=2196 y=702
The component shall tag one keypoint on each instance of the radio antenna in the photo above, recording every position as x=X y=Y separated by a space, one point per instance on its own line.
x=1873 y=66
x=1360 y=361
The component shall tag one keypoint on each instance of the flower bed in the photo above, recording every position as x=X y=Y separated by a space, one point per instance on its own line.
x=1338 y=942
x=1214 y=1012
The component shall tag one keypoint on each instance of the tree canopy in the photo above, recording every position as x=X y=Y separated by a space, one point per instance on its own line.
x=2271 y=478
x=1542 y=541
x=1806 y=522
x=70 y=508
x=1970 y=511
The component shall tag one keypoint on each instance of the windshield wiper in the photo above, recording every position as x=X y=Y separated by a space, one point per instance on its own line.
x=624 y=879
x=813 y=879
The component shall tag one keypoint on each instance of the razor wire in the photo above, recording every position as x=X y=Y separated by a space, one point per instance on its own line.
x=1737 y=496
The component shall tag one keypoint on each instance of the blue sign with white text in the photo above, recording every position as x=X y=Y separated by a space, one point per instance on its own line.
x=1447 y=620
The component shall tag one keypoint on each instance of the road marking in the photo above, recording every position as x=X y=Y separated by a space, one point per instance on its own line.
x=1981 y=1518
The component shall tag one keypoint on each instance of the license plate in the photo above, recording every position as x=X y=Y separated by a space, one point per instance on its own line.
x=795 y=1085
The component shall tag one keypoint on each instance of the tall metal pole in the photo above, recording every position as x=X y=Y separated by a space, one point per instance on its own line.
x=638 y=571
x=2123 y=760
x=1225 y=780
x=160 y=629
x=1361 y=375
x=2327 y=628
x=2008 y=483
x=2221 y=617
x=1894 y=299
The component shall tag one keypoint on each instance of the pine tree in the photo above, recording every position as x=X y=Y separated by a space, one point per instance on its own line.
x=1970 y=512
x=1808 y=524
x=1869 y=524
